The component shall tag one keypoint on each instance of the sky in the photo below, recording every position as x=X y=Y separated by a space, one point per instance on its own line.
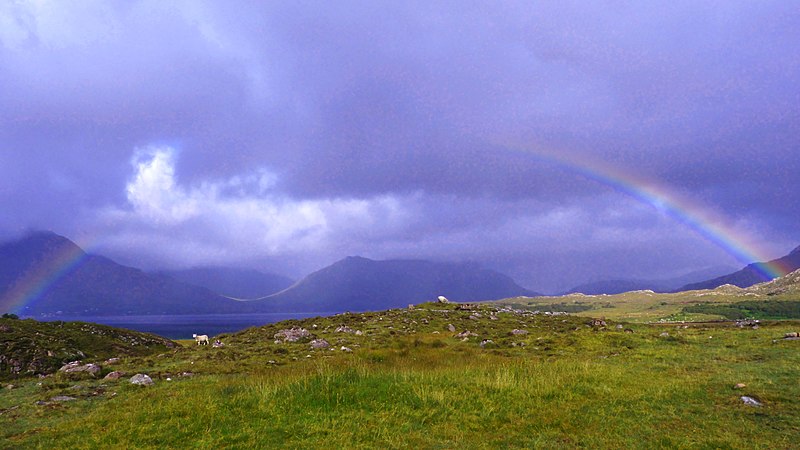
x=558 y=142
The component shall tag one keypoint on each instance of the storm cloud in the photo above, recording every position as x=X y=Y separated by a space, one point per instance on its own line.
x=283 y=136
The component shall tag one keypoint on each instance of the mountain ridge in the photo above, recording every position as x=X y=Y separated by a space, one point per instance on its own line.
x=750 y=274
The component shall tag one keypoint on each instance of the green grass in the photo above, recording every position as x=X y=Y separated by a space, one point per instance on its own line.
x=412 y=384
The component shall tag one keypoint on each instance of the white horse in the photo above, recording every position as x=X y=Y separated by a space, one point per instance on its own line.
x=201 y=339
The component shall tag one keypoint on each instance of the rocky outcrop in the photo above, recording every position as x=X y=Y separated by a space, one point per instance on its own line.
x=141 y=379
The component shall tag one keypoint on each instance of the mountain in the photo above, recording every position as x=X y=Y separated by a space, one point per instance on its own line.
x=361 y=284
x=47 y=274
x=750 y=275
x=787 y=284
x=665 y=285
x=231 y=282
x=44 y=273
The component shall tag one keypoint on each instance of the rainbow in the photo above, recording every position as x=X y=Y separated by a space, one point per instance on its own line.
x=36 y=282
x=710 y=226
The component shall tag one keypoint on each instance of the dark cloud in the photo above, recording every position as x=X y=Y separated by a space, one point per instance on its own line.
x=292 y=134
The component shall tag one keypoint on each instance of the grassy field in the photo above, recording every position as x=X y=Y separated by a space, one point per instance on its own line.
x=409 y=383
x=643 y=306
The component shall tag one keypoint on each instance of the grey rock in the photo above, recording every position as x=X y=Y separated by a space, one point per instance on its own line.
x=62 y=398
x=487 y=342
x=318 y=344
x=519 y=332
x=77 y=367
x=750 y=401
x=115 y=375
x=466 y=334
x=293 y=334
x=142 y=380
x=451 y=328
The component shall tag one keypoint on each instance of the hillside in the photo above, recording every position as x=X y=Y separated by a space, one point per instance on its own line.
x=433 y=376
x=619 y=286
x=749 y=275
x=232 y=282
x=29 y=347
x=361 y=284
x=44 y=273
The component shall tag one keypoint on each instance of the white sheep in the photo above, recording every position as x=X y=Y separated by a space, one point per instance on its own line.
x=201 y=339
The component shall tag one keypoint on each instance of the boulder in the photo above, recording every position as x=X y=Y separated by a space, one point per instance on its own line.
x=115 y=375
x=750 y=401
x=77 y=367
x=142 y=380
x=466 y=334
x=451 y=328
x=487 y=342
x=318 y=344
x=294 y=334
x=519 y=332
x=442 y=299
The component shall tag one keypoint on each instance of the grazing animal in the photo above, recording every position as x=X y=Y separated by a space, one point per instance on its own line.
x=201 y=339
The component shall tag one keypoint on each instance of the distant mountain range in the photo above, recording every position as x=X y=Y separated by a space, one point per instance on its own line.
x=750 y=275
x=231 y=282
x=364 y=284
x=46 y=274
x=666 y=285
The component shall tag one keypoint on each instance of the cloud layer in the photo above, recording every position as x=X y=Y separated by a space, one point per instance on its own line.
x=284 y=136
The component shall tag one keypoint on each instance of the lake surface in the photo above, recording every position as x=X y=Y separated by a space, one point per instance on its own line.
x=183 y=326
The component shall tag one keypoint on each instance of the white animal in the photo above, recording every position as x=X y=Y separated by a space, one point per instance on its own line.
x=201 y=339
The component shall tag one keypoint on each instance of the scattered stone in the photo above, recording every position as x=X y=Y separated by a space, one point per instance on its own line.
x=475 y=316
x=517 y=332
x=750 y=401
x=410 y=307
x=345 y=329
x=628 y=330
x=293 y=334
x=486 y=342
x=466 y=334
x=141 y=379
x=597 y=323
x=664 y=334
x=62 y=398
x=346 y=349
x=110 y=361
x=791 y=335
x=318 y=344
x=492 y=317
x=739 y=386
x=359 y=332
x=218 y=344
x=442 y=299
x=451 y=328
x=115 y=375
x=619 y=327
x=77 y=367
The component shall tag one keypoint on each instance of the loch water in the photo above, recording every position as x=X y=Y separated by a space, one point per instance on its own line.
x=183 y=326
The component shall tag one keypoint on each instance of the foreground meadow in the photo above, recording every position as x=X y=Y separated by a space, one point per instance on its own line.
x=408 y=382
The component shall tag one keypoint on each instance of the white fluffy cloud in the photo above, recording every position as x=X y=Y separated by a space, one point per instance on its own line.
x=240 y=217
